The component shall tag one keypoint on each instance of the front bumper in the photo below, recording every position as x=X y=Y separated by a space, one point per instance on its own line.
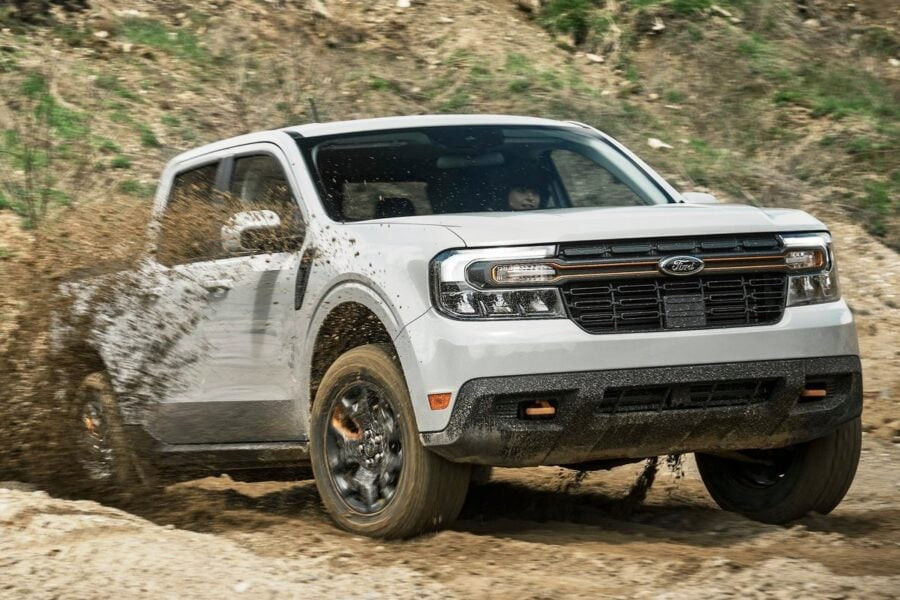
x=486 y=428
x=440 y=355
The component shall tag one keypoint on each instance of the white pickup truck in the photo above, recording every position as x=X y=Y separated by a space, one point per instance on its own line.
x=398 y=301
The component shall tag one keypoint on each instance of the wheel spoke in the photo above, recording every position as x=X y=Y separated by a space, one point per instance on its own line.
x=367 y=487
x=345 y=456
x=391 y=462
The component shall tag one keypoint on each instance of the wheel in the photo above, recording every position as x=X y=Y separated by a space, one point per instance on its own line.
x=101 y=445
x=373 y=474
x=784 y=484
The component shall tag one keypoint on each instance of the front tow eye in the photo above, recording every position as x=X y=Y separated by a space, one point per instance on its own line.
x=539 y=409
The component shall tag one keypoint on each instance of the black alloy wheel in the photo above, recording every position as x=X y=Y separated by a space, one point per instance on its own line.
x=364 y=448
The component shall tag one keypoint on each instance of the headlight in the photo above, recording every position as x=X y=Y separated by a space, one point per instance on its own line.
x=463 y=280
x=816 y=254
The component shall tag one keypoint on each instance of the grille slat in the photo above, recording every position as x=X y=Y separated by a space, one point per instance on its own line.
x=685 y=396
x=621 y=306
x=667 y=246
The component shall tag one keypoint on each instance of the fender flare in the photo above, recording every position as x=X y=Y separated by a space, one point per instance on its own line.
x=358 y=292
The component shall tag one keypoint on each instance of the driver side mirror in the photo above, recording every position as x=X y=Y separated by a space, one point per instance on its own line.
x=699 y=198
x=260 y=231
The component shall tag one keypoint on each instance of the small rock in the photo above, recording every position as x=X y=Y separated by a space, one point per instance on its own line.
x=594 y=58
x=658 y=25
x=319 y=9
x=657 y=144
x=894 y=62
x=445 y=20
x=653 y=97
x=101 y=34
x=812 y=23
x=718 y=10
x=241 y=586
x=126 y=47
x=403 y=4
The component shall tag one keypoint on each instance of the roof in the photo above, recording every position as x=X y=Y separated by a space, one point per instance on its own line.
x=383 y=123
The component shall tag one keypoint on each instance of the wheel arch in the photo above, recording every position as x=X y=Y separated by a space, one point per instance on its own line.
x=350 y=315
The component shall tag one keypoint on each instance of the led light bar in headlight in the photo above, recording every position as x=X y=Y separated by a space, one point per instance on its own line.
x=524 y=273
x=462 y=283
x=808 y=258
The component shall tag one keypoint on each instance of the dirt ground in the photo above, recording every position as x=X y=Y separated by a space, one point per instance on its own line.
x=530 y=533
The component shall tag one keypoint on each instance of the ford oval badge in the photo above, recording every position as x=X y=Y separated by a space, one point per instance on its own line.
x=681 y=265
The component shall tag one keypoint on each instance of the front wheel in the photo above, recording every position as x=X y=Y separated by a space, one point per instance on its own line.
x=785 y=484
x=373 y=474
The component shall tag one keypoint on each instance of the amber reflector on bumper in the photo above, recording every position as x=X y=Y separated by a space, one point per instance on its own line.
x=439 y=401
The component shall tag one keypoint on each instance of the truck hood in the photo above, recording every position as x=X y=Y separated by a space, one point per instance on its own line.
x=585 y=224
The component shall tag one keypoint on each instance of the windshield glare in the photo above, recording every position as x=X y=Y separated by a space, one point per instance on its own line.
x=445 y=170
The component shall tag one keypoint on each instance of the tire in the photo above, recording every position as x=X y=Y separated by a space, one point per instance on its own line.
x=101 y=445
x=845 y=446
x=785 y=484
x=373 y=474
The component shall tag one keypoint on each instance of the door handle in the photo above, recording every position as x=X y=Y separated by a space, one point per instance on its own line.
x=217 y=286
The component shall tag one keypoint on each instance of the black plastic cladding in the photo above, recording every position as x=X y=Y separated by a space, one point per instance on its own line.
x=480 y=432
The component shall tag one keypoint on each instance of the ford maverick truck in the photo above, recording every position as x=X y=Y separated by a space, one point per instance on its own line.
x=395 y=302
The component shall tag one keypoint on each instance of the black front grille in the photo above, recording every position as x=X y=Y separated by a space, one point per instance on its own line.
x=685 y=396
x=635 y=305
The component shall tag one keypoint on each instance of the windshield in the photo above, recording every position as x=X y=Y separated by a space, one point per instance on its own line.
x=444 y=170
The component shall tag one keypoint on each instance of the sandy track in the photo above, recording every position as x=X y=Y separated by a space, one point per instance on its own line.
x=524 y=535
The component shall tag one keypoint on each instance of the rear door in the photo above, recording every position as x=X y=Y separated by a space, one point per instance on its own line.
x=237 y=383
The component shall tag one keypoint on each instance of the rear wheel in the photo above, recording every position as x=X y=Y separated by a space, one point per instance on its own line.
x=101 y=446
x=785 y=484
x=374 y=476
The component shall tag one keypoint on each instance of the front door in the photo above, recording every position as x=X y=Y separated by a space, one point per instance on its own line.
x=235 y=382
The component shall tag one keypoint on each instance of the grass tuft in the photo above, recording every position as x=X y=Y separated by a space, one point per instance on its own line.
x=183 y=44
